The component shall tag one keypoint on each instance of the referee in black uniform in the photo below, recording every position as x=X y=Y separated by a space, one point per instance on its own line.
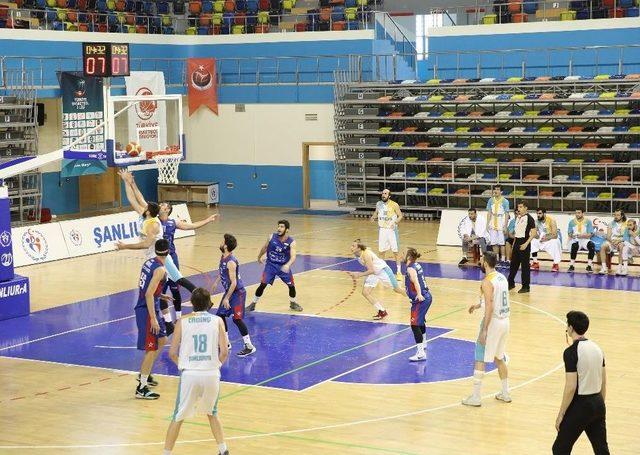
x=525 y=231
x=582 y=407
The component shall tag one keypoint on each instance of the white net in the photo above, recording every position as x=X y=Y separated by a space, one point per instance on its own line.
x=168 y=165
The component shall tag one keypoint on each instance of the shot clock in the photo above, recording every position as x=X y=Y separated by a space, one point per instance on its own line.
x=105 y=59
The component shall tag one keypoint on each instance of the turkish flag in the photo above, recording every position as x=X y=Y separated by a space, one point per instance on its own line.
x=203 y=84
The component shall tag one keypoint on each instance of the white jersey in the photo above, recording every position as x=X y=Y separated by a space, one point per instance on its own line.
x=387 y=214
x=378 y=264
x=199 y=343
x=150 y=252
x=501 y=306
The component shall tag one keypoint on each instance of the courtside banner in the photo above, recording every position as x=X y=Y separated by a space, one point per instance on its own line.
x=100 y=233
x=451 y=221
x=147 y=119
x=38 y=244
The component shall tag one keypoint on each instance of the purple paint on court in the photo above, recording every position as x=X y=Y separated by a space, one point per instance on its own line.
x=295 y=351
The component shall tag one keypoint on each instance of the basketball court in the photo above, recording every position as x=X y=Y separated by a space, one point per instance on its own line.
x=329 y=379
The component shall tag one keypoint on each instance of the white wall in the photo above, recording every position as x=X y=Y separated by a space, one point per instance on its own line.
x=321 y=153
x=266 y=134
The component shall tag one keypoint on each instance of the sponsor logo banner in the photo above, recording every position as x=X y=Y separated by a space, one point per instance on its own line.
x=148 y=119
x=37 y=244
x=14 y=298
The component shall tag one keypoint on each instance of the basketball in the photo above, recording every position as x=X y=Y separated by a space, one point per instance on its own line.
x=133 y=149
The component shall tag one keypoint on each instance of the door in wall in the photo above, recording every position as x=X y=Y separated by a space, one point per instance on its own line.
x=99 y=191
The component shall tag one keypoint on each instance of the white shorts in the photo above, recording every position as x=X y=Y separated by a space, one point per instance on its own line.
x=496 y=342
x=388 y=239
x=496 y=237
x=385 y=276
x=197 y=394
x=582 y=243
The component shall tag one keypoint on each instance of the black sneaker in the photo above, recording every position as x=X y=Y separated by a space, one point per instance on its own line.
x=571 y=268
x=143 y=393
x=512 y=286
x=226 y=452
x=150 y=381
x=248 y=350
x=463 y=261
x=251 y=307
x=294 y=306
x=589 y=269
x=523 y=290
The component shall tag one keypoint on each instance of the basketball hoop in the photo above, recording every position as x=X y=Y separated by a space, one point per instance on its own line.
x=168 y=162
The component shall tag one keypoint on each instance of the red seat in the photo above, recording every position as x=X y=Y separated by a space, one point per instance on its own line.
x=141 y=29
x=262 y=28
x=82 y=5
x=301 y=27
x=519 y=17
x=616 y=12
x=195 y=7
x=83 y=27
x=205 y=20
x=240 y=18
x=121 y=5
x=608 y=3
x=102 y=28
x=72 y=16
x=515 y=7
x=215 y=30
x=130 y=19
x=229 y=6
x=61 y=3
x=264 y=5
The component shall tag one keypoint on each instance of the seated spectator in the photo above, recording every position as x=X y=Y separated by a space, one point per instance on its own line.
x=547 y=239
x=473 y=231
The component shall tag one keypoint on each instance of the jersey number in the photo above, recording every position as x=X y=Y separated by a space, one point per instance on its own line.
x=143 y=280
x=505 y=303
x=200 y=343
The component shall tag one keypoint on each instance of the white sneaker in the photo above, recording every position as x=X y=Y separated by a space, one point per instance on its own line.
x=502 y=397
x=418 y=357
x=622 y=270
x=603 y=270
x=472 y=401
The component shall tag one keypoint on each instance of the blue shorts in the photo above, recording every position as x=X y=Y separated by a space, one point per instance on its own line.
x=271 y=271
x=148 y=341
x=236 y=302
x=419 y=310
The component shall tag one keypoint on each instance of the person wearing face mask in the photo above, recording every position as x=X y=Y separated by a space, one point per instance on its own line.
x=494 y=330
x=582 y=407
x=235 y=295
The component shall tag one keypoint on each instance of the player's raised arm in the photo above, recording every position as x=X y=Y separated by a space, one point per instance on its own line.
x=153 y=229
x=223 y=342
x=183 y=225
x=156 y=278
x=130 y=190
x=175 y=344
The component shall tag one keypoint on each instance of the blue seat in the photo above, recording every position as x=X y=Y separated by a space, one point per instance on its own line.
x=529 y=7
x=168 y=31
x=252 y=6
x=147 y=7
x=241 y=5
x=583 y=14
x=43 y=3
x=51 y=15
x=203 y=30
x=57 y=25
x=130 y=6
x=633 y=12
x=353 y=25
x=625 y=3
x=227 y=19
x=101 y=6
x=337 y=13
x=350 y=3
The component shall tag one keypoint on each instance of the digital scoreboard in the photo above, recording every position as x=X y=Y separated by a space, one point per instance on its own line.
x=105 y=59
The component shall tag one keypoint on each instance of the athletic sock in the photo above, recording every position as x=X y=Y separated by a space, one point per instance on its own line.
x=625 y=263
x=178 y=314
x=477 y=383
x=143 y=380
x=604 y=266
x=292 y=299
x=420 y=350
x=167 y=317
x=255 y=299
x=573 y=262
x=222 y=447
x=505 y=386
x=379 y=306
x=590 y=262
x=166 y=452
x=247 y=340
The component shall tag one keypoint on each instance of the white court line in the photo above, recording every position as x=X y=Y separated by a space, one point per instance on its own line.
x=376 y=361
x=318 y=428
x=66 y=332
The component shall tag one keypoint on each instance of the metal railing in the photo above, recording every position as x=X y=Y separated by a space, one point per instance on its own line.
x=386 y=28
x=284 y=70
x=511 y=11
x=568 y=61
x=168 y=24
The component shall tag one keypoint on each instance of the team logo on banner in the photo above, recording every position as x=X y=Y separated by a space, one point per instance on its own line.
x=145 y=109
x=203 y=87
x=5 y=239
x=75 y=237
x=6 y=259
x=35 y=244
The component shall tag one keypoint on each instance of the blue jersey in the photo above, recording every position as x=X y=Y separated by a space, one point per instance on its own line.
x=225 y=279
x=412 y=292
x=279 y=252
x=148 y=268
x=169 y=232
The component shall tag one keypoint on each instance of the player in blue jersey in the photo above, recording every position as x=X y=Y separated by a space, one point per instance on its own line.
x=235 y=295
x=281 y=254
x=420 y=298
x=152 y=335
x=169 y=227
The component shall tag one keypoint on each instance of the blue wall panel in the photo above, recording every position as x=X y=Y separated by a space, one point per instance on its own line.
x=284 y=183
x=61 y=196
x=321 y=176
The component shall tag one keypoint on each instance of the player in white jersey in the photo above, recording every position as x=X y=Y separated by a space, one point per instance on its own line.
x=630 y=248
x=199 y=348
x=377 y=271
x=388 y=214
x=547 y=239
x=614 y=242
x=494 y=329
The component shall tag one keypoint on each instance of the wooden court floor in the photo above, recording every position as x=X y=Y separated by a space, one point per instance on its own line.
x=58 y=409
